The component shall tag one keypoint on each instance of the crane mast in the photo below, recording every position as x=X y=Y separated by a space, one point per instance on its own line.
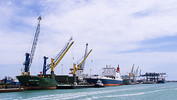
x=30 y=56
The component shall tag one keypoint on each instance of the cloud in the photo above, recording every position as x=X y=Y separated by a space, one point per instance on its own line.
x=114 y=26
x=102 y=19
x=112 y=29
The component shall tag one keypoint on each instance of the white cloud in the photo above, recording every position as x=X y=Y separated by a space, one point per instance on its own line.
x=114 y=26
x=97 y=20
x=108 y=26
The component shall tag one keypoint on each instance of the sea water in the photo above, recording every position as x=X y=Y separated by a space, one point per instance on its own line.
x=167 y=91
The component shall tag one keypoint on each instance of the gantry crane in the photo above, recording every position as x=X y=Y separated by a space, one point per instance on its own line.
x=30 y=56
x=59 y=55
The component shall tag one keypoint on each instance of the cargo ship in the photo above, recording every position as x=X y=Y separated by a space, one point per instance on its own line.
x=110 y=77
x=161 y=80
x=43 y=80
x=29 y=82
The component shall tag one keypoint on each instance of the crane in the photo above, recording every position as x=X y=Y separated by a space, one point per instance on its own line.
x=47 y=67
x=134 y=75
x=29 y=56
x=86 y=50
x=130 y=74
x=74 y=65
x=54 y=62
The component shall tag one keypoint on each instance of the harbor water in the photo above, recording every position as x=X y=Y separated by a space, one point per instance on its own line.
x=167 y=91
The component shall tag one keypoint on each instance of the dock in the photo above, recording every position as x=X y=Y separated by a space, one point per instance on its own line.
x=11 y=90
x=152 y=78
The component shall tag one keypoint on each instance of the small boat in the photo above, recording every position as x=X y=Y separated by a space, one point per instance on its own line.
x=99 y=84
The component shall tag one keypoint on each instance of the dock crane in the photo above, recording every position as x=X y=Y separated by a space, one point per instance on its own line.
x=81 y=69
x=57 y=58
x=86 y=51
x=29 y=56
x=134 y=75
x=78 y=66
x=54 y=64
x=130 y=74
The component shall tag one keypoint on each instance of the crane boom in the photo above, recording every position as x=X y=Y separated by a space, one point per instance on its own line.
x=62 y=51
x=30 y=56
x=130 y=74
x=53 y=63
x=86 y=50
x=35 y=41
x=74 y=67
x=46 y=68
x=135 y=72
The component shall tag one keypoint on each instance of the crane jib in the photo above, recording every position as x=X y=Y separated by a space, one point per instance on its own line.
x=86 y=51
x=30 y=56
x=47 y=67
x=34 y=44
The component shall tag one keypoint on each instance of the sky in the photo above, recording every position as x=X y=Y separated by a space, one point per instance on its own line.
x=124 y=32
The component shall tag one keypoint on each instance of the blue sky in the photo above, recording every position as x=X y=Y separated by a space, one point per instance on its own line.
x=126 y=32
x=163 y=44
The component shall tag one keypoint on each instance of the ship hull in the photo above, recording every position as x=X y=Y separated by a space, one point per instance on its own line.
x=161 y=81
x=126 y=81
x=106 y=82
x=37 y=82
x=38 y=88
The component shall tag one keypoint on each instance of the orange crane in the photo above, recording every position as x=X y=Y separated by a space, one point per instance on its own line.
x=59 y=56
x=130 y=74
x=134 y=75
x=53 y=63
x=78 y=66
